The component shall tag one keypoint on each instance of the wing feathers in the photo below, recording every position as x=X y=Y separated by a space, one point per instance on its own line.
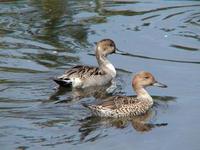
x=83 y=72
x=77 y=74
x=116 y=102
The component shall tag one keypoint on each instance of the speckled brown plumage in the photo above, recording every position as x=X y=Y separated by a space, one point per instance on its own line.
x=121 y=106
x=124 y=106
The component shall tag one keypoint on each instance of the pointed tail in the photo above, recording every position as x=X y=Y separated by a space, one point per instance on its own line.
x=85 y=105
x=61 y=82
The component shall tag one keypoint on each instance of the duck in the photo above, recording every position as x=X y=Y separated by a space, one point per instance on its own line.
x=82 y=76
x=126 y=106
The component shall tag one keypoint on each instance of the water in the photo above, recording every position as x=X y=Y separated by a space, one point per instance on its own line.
x=40 y=39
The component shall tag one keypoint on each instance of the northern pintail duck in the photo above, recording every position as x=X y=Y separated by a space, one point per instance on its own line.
x=86 y=76
x=126 y=106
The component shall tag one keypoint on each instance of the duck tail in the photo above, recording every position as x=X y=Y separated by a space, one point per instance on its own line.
x=94 y=109
x=91 y=107
x=85 y=105
x=65 y=82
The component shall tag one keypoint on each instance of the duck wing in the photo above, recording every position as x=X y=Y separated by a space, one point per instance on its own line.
x=77 y=72
x=82 y=72
x=116 y=102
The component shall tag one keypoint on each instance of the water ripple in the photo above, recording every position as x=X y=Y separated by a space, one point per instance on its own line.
x=41 y=39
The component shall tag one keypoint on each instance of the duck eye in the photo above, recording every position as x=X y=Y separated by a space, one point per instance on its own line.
x=146 y=78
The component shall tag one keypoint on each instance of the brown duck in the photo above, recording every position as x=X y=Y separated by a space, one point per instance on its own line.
x=125 y=106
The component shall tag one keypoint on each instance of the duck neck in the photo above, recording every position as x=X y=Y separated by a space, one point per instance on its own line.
x=105 y=64
x=142 y=94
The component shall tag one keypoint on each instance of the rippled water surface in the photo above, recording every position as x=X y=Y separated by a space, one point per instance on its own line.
x=39 y=39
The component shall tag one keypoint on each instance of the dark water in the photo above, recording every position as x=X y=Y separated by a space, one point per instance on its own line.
x=41 y=38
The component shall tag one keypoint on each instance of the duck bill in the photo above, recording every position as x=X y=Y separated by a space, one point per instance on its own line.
x=117 y=51
x=158 y=84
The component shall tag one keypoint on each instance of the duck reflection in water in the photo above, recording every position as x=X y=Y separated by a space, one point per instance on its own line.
x=119 y=111
x=90 y=125
x=65 y=95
